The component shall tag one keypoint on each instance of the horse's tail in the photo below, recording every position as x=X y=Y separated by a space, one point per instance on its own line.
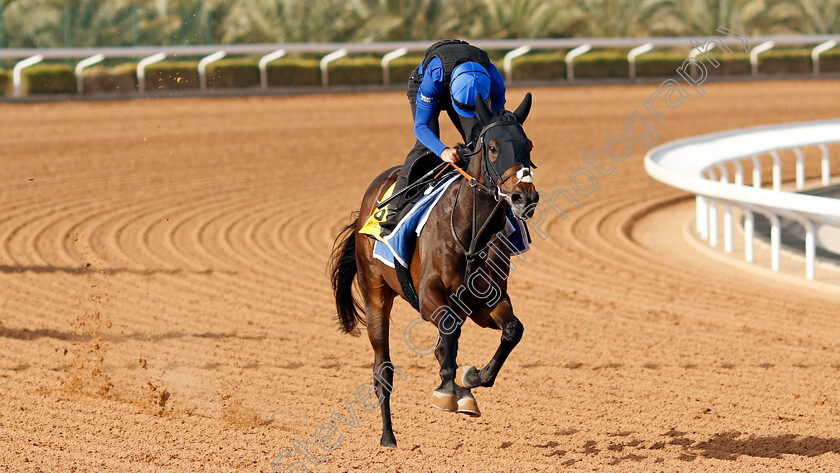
x=342 y=271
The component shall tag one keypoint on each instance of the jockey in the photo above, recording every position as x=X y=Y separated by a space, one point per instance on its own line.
x=448 y=78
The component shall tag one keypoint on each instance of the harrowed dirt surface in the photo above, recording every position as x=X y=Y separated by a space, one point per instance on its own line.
x=164 y=303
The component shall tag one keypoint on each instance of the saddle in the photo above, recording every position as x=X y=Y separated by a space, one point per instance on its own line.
x=393 y=207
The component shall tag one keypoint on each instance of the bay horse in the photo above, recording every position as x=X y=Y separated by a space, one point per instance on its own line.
x=459 y=267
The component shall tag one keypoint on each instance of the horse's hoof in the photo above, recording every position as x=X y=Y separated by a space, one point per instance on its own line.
x=444 y=401
x=388 y=440
x=467 y=405
x=464 y=376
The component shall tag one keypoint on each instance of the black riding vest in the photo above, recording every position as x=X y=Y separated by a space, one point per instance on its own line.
x=452 y=53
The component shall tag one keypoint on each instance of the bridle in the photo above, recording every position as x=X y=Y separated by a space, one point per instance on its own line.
x=493 y=181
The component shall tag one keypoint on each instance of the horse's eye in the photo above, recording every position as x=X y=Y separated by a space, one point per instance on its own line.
x=493 y=149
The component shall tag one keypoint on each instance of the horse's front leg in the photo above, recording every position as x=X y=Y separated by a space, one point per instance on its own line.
x=445 y=396
x=512 y=328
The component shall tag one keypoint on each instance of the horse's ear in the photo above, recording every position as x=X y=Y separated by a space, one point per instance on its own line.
x=523 y=108
x=481 y=111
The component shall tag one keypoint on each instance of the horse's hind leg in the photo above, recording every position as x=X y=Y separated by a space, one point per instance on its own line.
x=378 y=303
x=512 y=328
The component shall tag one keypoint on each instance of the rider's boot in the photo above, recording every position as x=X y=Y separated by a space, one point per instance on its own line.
x=395 y=207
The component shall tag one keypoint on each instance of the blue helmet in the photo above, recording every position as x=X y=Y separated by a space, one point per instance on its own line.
x=468 y=79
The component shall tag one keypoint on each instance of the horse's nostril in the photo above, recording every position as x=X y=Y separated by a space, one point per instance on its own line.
x=517 y=197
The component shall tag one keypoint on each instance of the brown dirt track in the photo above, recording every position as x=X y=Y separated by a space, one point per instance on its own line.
x=201 y=335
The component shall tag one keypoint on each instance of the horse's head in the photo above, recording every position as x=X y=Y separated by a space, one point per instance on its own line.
x=506 y=156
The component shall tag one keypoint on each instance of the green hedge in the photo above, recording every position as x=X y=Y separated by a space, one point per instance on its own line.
x=357 y=71
x=601 y=64
x=658 y=64
x=5 y=82
x=830 y=61
x=540 y=66
x=48 y=79
x=400 y=69
x=122 y=78
x=228 y=73
x=294 y=72
x=172 y=76
x=785 y=61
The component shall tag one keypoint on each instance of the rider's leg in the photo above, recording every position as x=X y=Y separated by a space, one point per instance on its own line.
x=419 y=149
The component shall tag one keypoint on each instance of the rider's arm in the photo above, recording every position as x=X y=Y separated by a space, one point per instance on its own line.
x=497 y=89
x=430 y=91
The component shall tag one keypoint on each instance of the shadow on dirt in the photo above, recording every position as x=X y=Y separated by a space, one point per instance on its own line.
x=108 y=271
x=731 y=445
x=26 y=334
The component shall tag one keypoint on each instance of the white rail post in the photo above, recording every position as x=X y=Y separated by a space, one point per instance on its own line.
x=325 y=62
x=570 y=57
x=775 y=241
x=386 y=59
x=727 y=212
x=202 y=67
x=141 y=69
x=710 y=213
x=749 y=232
x=819 y=49
x=702 y=216
x=800 y=168
x=756 y=172
x=263 y=66
x=756 y=51
x=739 y=173
x=727 y=228
x=777 y=171
x=87 y=62
x=825 y=164
x=810 y=250
x=696 y=51
x=17 y=81
x=724 y=173
x=508 y=60
x=633 y=54
x=713 y=222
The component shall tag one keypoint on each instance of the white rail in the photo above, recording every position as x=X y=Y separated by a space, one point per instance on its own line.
x=633 y=54
x=570 y=59
x=17 y=78
x=80 y=82
x=765 y=46
x=141 y=68
x=325 y=65
x=391 y=50
x=202 y=67
x=263 y=65
x=693 y=164
x=386 y=60
x=507 y=62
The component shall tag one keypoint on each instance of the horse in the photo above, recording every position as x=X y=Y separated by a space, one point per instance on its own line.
x=459 y=267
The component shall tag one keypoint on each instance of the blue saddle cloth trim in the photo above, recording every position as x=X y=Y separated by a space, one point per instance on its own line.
x=399 y=245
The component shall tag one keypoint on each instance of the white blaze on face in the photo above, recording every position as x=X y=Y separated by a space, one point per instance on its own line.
x=525 y=175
